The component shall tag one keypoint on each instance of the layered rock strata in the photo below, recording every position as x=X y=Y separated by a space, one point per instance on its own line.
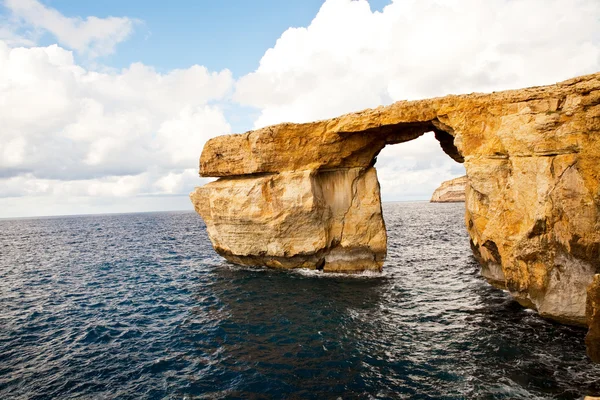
x=327 y=219
x=306 y=195
x=451 y=191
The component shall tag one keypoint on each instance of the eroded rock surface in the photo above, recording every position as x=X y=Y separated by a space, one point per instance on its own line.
x=451 y=191
x=328 y=219
x=592 y=338
x=306 y=195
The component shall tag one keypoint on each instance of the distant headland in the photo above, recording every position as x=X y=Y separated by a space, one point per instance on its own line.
x=450 y=191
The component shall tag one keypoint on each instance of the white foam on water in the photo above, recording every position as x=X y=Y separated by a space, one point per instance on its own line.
x=313 y=273
x=309 y=273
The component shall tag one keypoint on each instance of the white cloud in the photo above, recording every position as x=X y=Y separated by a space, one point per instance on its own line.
x=79 y=140
x=350 y=58
x=68 y=131
x=178 y=182
x=93 y=36
x=58 y=205
x=8 y=35
x=153 y=182
x=413 y=170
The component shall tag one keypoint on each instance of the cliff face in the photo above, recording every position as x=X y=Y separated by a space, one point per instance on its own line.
x=328 y=220
x=452 y=191
x=306 y=195
x=592 y=338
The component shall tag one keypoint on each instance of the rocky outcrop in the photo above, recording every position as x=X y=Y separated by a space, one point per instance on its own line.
x=452 y=191
x=306 y=195
x=328 y=220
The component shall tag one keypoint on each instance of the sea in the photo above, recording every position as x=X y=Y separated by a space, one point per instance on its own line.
x=139 y=306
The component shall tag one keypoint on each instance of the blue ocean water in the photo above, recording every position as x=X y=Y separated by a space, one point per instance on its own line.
x=139 y=306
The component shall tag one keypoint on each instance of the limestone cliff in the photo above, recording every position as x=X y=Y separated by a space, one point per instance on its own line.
x=451 y=191
x=306 y=195
x=592 y=339
x=328 y=220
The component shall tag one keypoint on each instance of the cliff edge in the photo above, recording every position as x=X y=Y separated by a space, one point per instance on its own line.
x=451 y=191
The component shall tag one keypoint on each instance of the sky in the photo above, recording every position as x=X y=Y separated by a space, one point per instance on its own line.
x=105 y=106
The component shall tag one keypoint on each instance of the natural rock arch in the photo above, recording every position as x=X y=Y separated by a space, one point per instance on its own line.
x=306 y=195
x=305 y=216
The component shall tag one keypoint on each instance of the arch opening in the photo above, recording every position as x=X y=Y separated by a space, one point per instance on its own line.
x=286 y=212
x=413 y=170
